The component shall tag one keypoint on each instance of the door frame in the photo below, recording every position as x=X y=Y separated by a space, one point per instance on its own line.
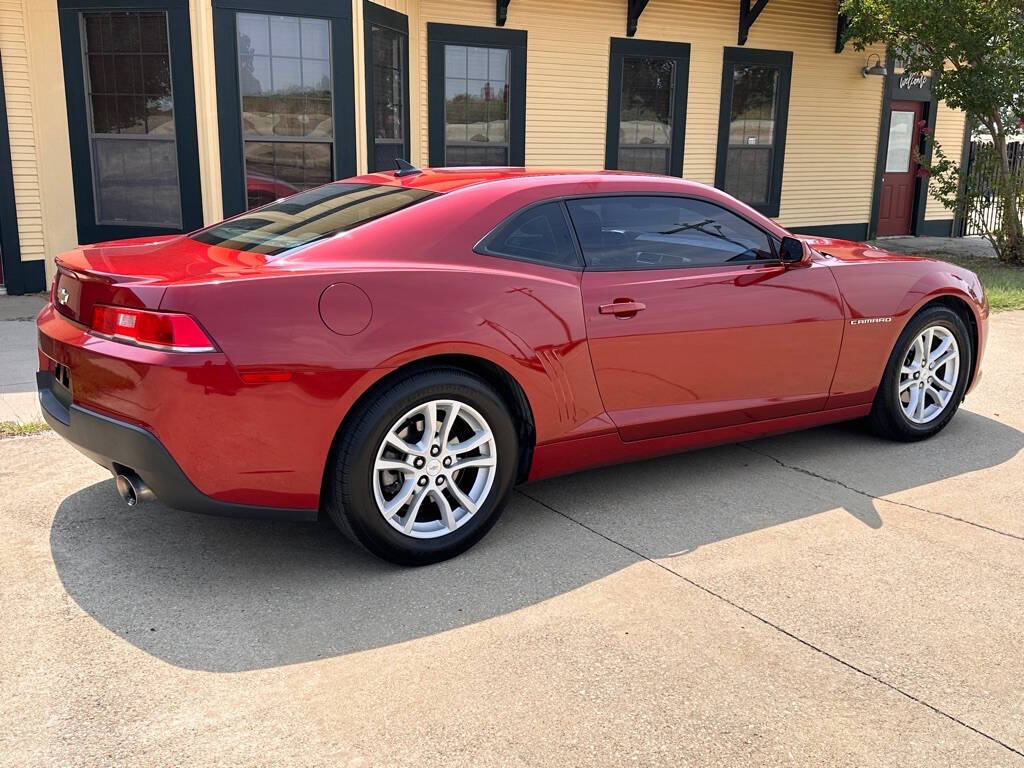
x=229 y=98
x=897 y=88
x=179 y=37
x=679 y=53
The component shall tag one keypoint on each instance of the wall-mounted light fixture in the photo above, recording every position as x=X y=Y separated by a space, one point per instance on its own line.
x=878 y=69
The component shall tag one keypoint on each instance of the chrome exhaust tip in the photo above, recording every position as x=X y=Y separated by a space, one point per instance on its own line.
x=132 y=489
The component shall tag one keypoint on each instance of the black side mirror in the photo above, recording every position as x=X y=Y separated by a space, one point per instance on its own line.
x=792 y=250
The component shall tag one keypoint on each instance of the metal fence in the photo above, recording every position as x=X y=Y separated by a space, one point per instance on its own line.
x=984 y=169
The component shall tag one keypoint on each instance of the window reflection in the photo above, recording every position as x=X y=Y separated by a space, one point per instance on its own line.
x=285 y=78
x=476 y=105
x=645 y=114
x=388 y=98
x=752 y=132
x=131 y=118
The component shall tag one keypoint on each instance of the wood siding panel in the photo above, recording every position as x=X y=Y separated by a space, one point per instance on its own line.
x=21 y=123
x=949 y=132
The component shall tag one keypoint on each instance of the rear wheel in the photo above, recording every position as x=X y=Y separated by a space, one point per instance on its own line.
x=425 y=471
x=925 y=377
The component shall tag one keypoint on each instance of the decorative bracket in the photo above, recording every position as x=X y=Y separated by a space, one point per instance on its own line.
x=633 y=10
x=842 y=22
x=501 y=15
x=748 y=15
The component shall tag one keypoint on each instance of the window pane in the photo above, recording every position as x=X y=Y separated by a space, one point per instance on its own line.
x=136 y=182
x=388 y=79
x=275 y=169
x=128 y=72
x=901 y=136
x=748 y=168
x=637 y=232
x=309 y=216
x=286 y=84
x=128 y=87
x=645 y=114
x=748 y=172
x=754 y=91
x=538 y=234
x=476 y=105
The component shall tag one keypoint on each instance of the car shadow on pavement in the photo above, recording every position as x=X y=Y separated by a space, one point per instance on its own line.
x=224 y=595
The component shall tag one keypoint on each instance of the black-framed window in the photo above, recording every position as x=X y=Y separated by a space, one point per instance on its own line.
x=386 y=44
x=647 y=85
x=284 y=97
x=476 y=95
x=632 y=232
x=131 y=117
x=539 y=234
x=752 y=126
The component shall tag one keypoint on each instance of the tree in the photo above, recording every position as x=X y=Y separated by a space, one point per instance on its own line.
x=978 y=47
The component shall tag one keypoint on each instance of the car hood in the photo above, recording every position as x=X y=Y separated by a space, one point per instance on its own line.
x=848 y=250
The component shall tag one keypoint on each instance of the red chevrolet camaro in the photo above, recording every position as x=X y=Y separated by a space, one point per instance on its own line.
x=399 y=350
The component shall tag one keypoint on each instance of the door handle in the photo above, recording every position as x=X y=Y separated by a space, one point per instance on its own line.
x=622 y=308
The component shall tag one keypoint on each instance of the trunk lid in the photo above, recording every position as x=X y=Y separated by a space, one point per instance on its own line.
x=136 y=272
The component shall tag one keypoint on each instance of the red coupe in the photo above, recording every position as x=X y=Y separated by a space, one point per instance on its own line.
x=399 y=350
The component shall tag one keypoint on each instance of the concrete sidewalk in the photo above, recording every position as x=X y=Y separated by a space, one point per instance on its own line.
x=824 y=598
x=18 y=359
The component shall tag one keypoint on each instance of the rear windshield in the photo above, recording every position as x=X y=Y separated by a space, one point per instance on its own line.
x=309 y=216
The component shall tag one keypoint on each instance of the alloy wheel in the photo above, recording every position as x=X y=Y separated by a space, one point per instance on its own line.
x=929 y=374
x=434 y=469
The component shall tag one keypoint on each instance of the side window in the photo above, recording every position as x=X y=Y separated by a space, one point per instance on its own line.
x=637 y=232
x=539 y=234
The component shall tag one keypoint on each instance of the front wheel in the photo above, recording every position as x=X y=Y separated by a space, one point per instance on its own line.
x=925 y=378
x=425 y=471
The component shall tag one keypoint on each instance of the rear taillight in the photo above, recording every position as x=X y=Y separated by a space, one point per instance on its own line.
x=170 y=331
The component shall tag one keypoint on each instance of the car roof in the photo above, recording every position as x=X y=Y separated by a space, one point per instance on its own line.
x=449 y=179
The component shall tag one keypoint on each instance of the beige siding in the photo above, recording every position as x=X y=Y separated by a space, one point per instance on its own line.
x=949 y=132
x=37 y=116
x=834 y=111
x=21 y=121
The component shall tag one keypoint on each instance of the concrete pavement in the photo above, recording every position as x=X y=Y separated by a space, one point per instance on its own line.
x=821 y=598
x=18 y=360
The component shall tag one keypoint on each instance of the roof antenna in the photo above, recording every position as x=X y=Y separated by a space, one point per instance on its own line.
x=405 y=168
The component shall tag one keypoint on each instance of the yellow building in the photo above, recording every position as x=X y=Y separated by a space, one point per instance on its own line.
x=126 y=118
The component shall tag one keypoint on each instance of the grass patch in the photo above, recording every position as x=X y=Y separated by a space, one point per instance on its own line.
x=1004 y=283
x=15 y=429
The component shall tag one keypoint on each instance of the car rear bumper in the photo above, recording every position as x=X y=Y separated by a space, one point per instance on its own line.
x=119 y=446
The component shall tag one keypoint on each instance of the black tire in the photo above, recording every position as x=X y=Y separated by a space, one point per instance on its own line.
x=350 y=495
x=887 y=417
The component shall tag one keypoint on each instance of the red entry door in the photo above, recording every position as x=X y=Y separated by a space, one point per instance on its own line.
x=900 y=179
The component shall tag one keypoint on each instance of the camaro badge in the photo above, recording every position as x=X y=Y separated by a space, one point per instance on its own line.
x=869 y=320
x=62 y=296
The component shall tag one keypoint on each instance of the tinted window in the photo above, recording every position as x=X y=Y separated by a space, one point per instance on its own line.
x=638 y=232
x=309 y=216
x=540 y=233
